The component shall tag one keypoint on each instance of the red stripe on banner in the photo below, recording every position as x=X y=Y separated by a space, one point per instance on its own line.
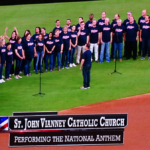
x=4 y=126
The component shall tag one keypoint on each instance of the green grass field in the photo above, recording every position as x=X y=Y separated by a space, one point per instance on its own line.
x=62 y=88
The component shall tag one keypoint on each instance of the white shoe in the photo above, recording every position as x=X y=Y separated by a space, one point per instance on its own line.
x=3 y=80
x=3 y=77
x=20 y=72
x=70 y=65
x=19 y=77
x=67 y=67
x=16 y=78
x=74 y=65
x=10 y=75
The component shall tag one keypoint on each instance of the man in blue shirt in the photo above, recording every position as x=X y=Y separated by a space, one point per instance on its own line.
x=78 y=25
x=141 y=21
x=68 y=23
x=83 y=38
x=145 y=37
x=106 y=39
x=89 y=23
x=57 y=27
x=131 y=37
x=86 y=63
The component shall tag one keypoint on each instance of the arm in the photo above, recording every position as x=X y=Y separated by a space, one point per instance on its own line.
x=62 y=46
x=76 y=41
x=87 y=40
x=111 y=34
x=137 y=37
x=82 y=62
x=140 y=35
x=70 y=44
x=43 y=51
x=53 y=48
x=18 y=54
x=17 y=34
x=35 y=54
x=101 y=36
x=5 y=34
x=23 y=54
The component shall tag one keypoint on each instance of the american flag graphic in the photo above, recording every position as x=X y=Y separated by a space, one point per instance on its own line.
x=3 y=123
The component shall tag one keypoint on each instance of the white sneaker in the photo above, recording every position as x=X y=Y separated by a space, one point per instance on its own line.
x=82 y=87
x=70 y=65
x=16 y=78
x=67 y=67
x=74 y=65
x=19 y=77
x=3 y=80
x=3 y=77
x=10 y=75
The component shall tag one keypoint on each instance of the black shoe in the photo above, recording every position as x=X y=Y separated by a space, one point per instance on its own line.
x=41 y=71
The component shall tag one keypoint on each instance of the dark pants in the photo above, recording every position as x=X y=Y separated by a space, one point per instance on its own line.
x=1 y=70
x=12 y=70
x=50 y=64
x=112 y=50
x=18 y=66
x=131 y=47
x=8 y=69
x=140 y=48
x=65 y=58
x=27 y=66
x=22 y=65
x=86 y=75
x=145 y=47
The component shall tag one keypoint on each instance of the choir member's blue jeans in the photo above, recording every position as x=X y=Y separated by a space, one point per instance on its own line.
x=7 y=70
x=49 y=57
x=119 y=47
x=39 y=58
x=27 y=66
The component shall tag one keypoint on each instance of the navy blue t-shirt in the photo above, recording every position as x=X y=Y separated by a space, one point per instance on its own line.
x=93 y=32
x=49 y=43
x=73 y=37
x=46 y=36
x=145 y=27
x=58 y=42
x=60 y=30
x=118 y=33
x=87 y=57
x=9 y=55
x=77 y=27
x=28 y=47
x=106 y=30
x=131 y=32
x=35 y=37
x=19 y=49
x=12 y=41
x=66 y=40
x=83 y=37
x=88 y=24
x=127 y=22
x=3 y=54
x=113 y=24
x=39 y=45
x=100 y=23
x=69 y=29
x=141 y=21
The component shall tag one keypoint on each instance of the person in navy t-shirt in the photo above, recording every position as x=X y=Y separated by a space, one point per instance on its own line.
x=43 y=32
x=141 y=21
x=145 y=37
x=68 y=23
x=89 y=23
x=2 y=57
x=9 y=60
x=118 y=32
x=74 y=41
x=30 y=53
x=131 y=37
x=83 y=38
x=49 y=47
x=78 y=25
x=86 y=64
x=94 y=36
x=19 y=56
x=106 y=39
x=58 y=49
x=40 y=50
x=57 y=27
x=66 y=47
x=12 y=40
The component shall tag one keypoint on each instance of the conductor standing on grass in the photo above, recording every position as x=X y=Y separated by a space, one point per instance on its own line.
x=86 y=63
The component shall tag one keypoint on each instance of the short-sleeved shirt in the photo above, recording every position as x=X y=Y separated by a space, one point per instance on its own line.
x=93 y=33
x=46 y=36
x=19 y=49
x=141 y=21
x=66 y=40
x=131 y=32
x=87 y=57
x=82 y=39
x=73 y=37
x=58 y=42
x=28 y=47
x=60 y=30
x=12 y=41
x=3 y=54
x=145 y=27
x=118 y=33
x=9 y=55
x=77 y=27
x=35 y=37
x=127 y=22
x=88 y=24
x=69 y=29
x=106 y=31
x=49 y=43
x=39 y=45
x=100 y=23
x=113 y=24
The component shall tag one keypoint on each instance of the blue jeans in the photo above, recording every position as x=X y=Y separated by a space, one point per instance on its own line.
x=119 y=47
x=8 y=69
x=27 y=66
x=65 y=58
x=58 y=55
x=72 y=52
x=49 y=57
x=145 y=44
x=86 y=75
x=39 y=58
x=1 y=70
x=18 y=66
x=107 y=51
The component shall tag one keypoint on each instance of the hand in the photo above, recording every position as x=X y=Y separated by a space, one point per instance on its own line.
x=12 y=62
x=35 y=55
x=61 y=51
x=124 y=39
x=6 y=29
x=21 y=58
x=24 y=57
x=98 y=43
x=69 y=48
x=80 y=67
x=111 y=41
x=43 y=56
x=101 y=41
x=15 y=28
x=137 y=38
x=5 y=64
x=140 y=39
